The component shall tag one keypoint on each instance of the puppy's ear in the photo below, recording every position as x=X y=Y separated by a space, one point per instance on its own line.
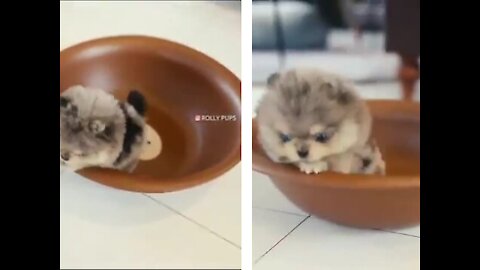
x=273 y=80
x=345 y=94
x=345 y=98
x=331 y=90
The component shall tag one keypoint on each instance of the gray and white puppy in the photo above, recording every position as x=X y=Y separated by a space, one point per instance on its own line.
x=96 y=130
x=308 y=115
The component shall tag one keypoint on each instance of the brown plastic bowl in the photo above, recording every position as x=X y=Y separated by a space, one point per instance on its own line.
x=392 y=201
x=178 y=83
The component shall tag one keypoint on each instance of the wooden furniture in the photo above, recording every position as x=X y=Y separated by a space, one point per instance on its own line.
x=403 y=38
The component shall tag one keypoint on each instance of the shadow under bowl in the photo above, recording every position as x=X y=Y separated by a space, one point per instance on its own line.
x=364 y=201
x=178 y=83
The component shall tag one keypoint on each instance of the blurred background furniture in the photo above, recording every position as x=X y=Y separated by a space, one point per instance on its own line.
x=293 y=25
x=403 y=38
x=348 y=37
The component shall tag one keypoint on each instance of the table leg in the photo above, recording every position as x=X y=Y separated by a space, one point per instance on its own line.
x=409 y=75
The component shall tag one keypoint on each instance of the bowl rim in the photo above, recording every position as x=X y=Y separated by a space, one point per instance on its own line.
x=138 y=182
x=276 y=171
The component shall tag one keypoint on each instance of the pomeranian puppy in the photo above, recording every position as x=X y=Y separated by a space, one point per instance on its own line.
x=98 y=131
x=308 y=115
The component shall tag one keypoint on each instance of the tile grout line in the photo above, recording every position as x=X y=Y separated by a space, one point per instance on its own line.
x=193 y=221
x=399 y=233
x=280 y=211
x=281 y=240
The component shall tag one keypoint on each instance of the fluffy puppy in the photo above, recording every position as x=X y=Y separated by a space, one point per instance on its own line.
x=98 y=131
x=308 y=115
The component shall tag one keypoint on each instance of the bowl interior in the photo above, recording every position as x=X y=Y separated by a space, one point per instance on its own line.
x=397 y=132
x=179 y=84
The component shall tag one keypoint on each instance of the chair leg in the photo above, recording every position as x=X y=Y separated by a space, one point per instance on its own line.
x=409 y=75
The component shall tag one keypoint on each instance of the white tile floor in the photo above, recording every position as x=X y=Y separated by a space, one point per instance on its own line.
x=285 y=237
x=106 y=228
x=198 y=228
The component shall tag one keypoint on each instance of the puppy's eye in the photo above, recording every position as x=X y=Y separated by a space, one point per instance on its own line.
x=65 y=156
x=322 y=137
x=285 y=138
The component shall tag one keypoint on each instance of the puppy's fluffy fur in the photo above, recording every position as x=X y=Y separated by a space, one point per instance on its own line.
x=362 y=160
x=98 y=131
x=310 y=115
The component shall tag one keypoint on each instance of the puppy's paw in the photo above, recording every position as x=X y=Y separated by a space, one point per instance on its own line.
x=313 y=168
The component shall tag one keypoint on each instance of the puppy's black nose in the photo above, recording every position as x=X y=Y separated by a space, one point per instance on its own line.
x=65 y=157
x=302 y=153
